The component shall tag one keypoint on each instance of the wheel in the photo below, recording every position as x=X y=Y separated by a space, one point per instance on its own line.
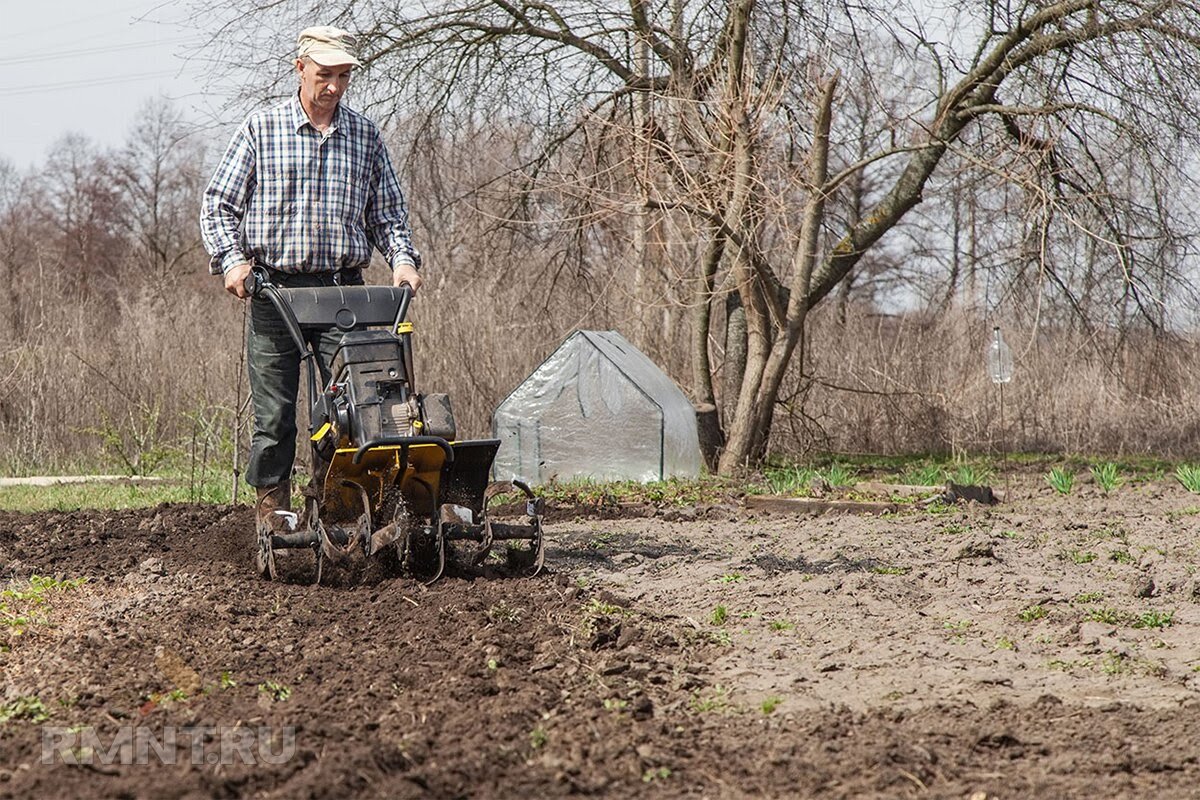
x=264 y=554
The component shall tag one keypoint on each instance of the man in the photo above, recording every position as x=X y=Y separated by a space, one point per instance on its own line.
x=305 y=190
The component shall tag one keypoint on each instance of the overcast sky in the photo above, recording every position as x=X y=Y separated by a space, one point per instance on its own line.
x=87 y=66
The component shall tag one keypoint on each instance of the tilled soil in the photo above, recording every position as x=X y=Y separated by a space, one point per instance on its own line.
x=1043 y=648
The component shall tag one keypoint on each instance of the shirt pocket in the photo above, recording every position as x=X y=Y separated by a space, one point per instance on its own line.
x=357 y=187
x=278 y=186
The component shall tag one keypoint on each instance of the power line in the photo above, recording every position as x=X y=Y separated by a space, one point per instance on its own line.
x=13 y=91
x=87 y=51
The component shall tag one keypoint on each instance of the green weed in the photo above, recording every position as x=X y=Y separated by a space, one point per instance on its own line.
x=38 y=587
x=1189 y=476
x=538 y=738
x=970 y=475
x=1089 y=597
x=24 y=707
x=227 y=681
x=1004 y=643
x=927 y=475
x=655 y=774
x=1121 y=556
x=1108 y=616
x=730 y=577
x=839 y=476
x=720 y=637
x=717 y=699
x=782 y=625
x=770 y=704
x=1155 y=619
x=615 y=704
x=503 y=612
x=719 y=615
x=1031 y=613
x=1107 y=476
x=1060 y=480
x=598 y=608
x=1078 y=556
x=18 y=601
x=276 y=691
x=1115 y=664
x=790 y=480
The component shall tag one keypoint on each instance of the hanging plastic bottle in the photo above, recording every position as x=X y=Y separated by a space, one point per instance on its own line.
x=999 y=358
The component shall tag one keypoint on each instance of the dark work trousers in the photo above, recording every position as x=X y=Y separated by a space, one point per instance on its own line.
x=273 y=362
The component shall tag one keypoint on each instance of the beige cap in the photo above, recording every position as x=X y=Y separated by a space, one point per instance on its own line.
x=327 y=46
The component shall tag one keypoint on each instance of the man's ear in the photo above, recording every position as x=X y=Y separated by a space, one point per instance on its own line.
x=299 y=66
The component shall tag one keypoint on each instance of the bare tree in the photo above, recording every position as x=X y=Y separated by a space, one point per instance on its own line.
x=159 y=175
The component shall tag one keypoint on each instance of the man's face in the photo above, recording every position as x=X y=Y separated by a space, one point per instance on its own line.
x=322 y=87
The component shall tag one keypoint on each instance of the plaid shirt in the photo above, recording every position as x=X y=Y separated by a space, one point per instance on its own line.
x=288 y=197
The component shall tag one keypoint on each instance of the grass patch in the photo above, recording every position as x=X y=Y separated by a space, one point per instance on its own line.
x=792 y=480
x=798 y=480
x=174 y=488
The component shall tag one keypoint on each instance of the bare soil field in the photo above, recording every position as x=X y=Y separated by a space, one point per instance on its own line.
x=1044 y=647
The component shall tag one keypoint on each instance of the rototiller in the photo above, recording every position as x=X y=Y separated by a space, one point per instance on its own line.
x=389 y=476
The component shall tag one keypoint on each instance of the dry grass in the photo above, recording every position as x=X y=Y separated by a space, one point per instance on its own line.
x=152 y=379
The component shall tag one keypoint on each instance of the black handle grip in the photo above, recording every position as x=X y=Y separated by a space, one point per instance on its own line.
x=406 y=295
x=255 y=281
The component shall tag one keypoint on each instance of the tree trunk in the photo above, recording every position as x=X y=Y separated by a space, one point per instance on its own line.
x=735 y=356
x=702 y=383
x=765 y=369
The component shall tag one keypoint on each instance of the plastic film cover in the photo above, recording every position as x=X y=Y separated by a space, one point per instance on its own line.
x=596 y=409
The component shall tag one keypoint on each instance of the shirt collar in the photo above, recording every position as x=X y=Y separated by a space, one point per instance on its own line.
x=300 y=118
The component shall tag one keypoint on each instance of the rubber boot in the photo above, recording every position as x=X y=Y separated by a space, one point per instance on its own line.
x=272 y=499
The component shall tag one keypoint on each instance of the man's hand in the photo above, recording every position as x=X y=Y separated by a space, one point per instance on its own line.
x=235 y=280
x=406 y=273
